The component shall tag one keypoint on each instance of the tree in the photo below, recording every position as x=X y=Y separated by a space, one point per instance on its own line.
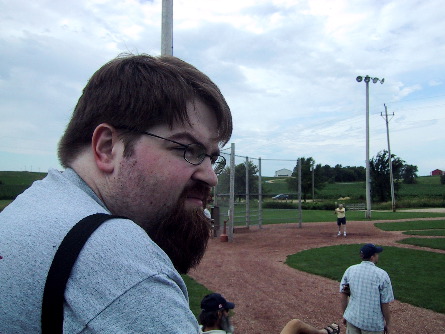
x=328 y=174
x=306 y=177
x=240 y=179
x=409 y=174
x=380 y=175
x=342 y=174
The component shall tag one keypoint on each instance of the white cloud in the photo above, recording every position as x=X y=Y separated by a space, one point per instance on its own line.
x=287 y=69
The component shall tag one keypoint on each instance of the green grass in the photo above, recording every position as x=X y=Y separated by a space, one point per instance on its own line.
x=434 y=233
x=196 y=292
x=355 y=190
x=436 y=243
x=20 y=178
x=4 y=203
x=412 y=225
x=426 y=187
x=416 y=276
x=281 y=216
x=13 y=184
x=275 y=185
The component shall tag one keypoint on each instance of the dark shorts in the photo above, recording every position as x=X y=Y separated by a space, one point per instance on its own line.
x=341 y=221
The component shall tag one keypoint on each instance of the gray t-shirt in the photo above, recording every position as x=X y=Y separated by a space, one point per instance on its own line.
x=122 y=282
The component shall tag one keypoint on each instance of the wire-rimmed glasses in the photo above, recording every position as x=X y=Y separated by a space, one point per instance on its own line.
x=194 y=153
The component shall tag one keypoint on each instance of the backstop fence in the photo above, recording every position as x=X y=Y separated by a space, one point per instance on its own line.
x=244 y=208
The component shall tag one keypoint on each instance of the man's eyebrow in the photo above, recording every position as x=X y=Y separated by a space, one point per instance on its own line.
x=191 y=140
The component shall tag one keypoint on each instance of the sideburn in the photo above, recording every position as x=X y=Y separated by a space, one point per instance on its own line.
x=183 y=236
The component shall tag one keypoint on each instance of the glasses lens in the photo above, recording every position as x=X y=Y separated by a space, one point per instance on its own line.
x=195 y=154
x=219 y=164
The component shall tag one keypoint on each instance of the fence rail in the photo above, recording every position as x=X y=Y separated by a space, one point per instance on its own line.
x=356 y=206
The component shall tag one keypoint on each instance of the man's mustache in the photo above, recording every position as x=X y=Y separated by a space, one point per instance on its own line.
x=197 y=190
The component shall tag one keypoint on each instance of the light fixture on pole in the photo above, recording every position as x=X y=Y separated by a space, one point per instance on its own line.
x=367 y=79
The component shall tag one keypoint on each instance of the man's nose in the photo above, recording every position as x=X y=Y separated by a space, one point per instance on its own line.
x=205 y=173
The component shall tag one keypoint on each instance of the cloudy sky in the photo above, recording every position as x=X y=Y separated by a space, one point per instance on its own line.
x=287 y=68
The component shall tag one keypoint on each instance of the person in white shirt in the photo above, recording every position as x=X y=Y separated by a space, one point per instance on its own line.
x=341 y=219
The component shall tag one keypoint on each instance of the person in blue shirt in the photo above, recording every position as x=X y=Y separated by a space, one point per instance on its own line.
x=366 y=292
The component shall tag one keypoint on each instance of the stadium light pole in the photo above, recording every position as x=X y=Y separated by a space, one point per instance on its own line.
x=367 y=79
x=167 y=28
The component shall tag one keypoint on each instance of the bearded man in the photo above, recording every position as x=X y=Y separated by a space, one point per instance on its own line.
x=143 y=144
x=214 y=317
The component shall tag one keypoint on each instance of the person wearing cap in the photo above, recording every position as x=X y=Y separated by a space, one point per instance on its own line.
x=366 y=292
x=215 y=319
x=214 y=316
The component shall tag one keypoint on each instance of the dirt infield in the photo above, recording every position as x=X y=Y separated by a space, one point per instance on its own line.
x=250 y=271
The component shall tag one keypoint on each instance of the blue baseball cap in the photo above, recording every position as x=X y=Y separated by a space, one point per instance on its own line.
x=369 y=250
x=215 y=302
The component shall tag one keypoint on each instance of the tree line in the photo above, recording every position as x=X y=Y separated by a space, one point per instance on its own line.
x=319 y=175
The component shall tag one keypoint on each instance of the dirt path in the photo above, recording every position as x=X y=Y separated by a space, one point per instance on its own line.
x=251 y=272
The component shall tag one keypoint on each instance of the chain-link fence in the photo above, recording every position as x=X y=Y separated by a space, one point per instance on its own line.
x=238 y=199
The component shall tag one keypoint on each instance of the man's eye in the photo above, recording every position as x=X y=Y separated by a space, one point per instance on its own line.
x=196 y=150
x=179 y=150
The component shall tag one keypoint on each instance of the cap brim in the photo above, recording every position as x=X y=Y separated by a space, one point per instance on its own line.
x=379 y=249
x=230 y=305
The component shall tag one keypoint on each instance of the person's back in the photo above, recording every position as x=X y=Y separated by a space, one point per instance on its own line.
x=365 y=301
x=26 y=261
x=47 y=211
x=365 y=281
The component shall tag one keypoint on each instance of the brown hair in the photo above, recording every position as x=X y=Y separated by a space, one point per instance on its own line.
x=139 y=92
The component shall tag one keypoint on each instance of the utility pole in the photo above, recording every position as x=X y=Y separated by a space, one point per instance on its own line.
x=391 y=178
x=247 y=194
x=231 y=212
x=167 y=28
x=260 y=196
x=313 y=180
x=300 y=218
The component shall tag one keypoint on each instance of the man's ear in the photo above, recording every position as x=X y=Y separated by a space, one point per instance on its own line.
x=103 y=144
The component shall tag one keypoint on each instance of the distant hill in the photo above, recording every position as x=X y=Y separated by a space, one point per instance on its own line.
x=13 y=184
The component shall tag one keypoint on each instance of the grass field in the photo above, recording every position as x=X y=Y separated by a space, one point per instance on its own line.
x=14 y=183
x=407 y=268
x=425 y=228
x=280 y=216
x=436 y=243
x=433 y=233
x=412 y=225
x=426 y=186
x=196 y=292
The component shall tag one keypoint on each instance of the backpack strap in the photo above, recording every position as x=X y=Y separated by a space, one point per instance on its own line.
x=60 y=270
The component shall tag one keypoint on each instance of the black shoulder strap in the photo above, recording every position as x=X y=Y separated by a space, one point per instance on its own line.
x=60 y=270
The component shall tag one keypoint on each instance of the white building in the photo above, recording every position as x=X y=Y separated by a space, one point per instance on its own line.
x=283 y=172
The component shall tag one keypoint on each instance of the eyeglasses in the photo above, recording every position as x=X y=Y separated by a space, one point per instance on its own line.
x=194 y=153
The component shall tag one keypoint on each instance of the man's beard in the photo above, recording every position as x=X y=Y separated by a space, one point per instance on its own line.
x=183 y=235
x=226 y=324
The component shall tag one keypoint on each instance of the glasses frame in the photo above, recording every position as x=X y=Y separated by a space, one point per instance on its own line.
x=215 y=160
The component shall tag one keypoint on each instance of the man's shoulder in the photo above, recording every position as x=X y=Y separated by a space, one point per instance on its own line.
x=381 y=271
x=354 y=267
